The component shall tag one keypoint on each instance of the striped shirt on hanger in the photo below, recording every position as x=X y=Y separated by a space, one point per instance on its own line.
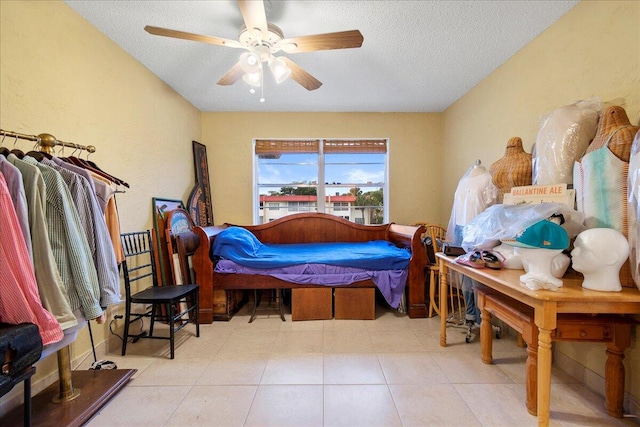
x=95 y=229
x=69 y=244
x=19 y=298
x=53 y=293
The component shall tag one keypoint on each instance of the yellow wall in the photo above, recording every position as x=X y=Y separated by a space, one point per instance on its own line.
x=60 y=75
x=592 y=51
x=415 y=151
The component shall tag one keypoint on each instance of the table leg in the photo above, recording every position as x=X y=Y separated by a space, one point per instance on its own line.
x=532 y=378
x=444 y=288
x=614 y=381
x=544 y=375
x=486 y=331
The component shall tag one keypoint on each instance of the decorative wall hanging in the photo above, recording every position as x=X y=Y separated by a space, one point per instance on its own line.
x=199 y=203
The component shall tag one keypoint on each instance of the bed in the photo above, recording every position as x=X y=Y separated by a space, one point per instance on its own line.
x=220 y=278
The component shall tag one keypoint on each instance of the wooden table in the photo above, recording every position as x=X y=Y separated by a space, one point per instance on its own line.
x=570 y=298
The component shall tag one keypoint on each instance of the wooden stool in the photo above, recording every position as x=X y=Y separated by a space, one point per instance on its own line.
x=613 y=330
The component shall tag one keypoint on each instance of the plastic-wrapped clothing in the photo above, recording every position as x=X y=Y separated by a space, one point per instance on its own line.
x=475 y=192
x=563 y=137
x=634 y=209
x=601 y=177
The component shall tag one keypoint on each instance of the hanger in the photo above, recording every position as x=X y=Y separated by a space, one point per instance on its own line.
x=39 y=155
x=113 y=178
x=84 y=164
x=4 y=151
x=477 y=168
x=17 y=152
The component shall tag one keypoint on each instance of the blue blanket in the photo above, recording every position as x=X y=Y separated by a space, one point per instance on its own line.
x=242 y=247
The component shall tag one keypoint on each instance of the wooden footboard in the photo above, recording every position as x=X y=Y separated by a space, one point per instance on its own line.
x=308 y=228
x=410 y=236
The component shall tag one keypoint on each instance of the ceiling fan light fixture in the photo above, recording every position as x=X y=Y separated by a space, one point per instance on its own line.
x=289 y=47
x=253 y=79
x=250 y=62
x=279 y=70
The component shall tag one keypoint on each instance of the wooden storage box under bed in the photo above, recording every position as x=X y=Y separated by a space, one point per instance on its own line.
x=354 y=303
x=311 y=303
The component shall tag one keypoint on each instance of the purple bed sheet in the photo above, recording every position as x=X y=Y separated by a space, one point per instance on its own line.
x=389 y=282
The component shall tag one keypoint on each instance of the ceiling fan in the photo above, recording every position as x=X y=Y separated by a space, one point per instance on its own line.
x=262 y=40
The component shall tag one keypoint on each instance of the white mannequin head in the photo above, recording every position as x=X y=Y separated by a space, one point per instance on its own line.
x=559 y=265
x=511 y=260
x=599 y=254
x=537 y=246
x=539 y=263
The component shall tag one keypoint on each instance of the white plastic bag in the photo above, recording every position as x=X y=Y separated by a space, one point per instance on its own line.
x=563 y=137
x=506 y=221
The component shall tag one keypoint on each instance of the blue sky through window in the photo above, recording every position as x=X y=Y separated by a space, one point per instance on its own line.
x=366 y=171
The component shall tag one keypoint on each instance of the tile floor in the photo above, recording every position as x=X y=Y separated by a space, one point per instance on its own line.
x=387 y=372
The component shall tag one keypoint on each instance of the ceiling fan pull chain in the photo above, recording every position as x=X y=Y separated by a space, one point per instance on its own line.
x=262 y=83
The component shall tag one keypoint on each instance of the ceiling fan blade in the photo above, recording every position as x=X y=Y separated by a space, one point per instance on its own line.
x=254 y=16
x=157 y=31
x=339 y=40
x=300 y=75
x=233 y=75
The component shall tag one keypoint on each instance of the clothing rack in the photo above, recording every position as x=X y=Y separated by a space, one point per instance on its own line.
x=46 y=141
x=99 y=386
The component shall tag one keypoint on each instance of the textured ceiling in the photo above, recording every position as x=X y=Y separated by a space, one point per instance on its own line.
x=417 y=56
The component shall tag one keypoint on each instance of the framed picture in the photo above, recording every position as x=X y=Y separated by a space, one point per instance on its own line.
x=200 y=206
x=160 y=207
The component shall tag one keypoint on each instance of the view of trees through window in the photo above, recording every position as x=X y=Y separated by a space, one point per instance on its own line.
x=346 y=178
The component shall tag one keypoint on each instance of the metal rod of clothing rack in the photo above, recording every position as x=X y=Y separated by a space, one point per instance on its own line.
x=47 y=141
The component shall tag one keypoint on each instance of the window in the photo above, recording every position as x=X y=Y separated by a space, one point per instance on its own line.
x=342 y=177
x=340 y=206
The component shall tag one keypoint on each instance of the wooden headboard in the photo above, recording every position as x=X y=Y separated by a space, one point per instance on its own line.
x=316 y=228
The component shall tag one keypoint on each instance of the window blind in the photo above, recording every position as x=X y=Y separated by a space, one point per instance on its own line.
x=277 y=147
x=365 y=146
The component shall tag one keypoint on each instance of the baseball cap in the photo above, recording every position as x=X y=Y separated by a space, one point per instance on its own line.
x=543 y=234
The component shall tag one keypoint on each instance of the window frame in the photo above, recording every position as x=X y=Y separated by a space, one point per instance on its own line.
x=322 y=185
